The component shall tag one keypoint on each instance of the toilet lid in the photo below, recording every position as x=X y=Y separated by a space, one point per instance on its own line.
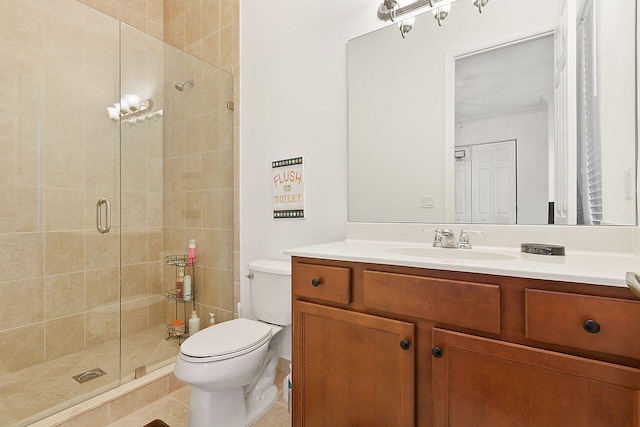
x=227 y=339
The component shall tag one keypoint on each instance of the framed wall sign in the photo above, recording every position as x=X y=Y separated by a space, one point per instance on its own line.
x=288 y=188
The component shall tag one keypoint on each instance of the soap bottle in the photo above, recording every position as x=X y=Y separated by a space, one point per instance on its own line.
x=286 y=389
x=186 y=288
x=180 y=282
x=212 y=319
x=192 y=252
x=194 y=323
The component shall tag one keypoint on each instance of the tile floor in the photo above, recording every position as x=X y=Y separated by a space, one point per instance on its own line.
x=35 y=392
x=174 y=410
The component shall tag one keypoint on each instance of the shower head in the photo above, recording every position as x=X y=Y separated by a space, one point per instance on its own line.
x=180 y=86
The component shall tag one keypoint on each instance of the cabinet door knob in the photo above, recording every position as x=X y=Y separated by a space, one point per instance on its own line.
x=437 y=352
x=591 y=326
x=405 y=345
x=315 y=282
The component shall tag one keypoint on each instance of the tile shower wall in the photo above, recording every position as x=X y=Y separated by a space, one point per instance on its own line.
x=46 y=226
x=145 y=15
x=198 y=183
x=142 y=284
x=210 y=30
x=58 y=280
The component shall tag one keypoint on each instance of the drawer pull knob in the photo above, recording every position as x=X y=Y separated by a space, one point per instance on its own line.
x=405 y=345
x=591 y=326
x=437 y=352
x=315 y=282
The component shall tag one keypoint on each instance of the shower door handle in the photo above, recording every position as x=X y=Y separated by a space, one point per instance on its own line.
x=107 y=227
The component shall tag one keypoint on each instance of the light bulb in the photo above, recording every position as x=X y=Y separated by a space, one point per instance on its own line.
x=441 y=13
x=133 y=101
x=113 y=113
x=480 y=4
x=406 y=26
x=124 y=106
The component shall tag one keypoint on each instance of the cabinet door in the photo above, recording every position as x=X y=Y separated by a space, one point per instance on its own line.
x=351 y=369
x=482 y=382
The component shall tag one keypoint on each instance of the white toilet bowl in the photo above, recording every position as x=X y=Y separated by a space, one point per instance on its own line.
x=231 y=369
x=231 y=366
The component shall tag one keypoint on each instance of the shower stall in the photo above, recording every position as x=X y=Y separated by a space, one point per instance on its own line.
x=115 y=150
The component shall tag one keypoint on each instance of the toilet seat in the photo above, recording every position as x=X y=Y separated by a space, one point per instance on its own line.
x=225 y=341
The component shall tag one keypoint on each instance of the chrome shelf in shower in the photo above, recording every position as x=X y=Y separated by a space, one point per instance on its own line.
x=176 y=295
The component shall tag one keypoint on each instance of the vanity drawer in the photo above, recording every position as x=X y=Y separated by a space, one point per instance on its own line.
x=321 y=282
x=464 y=304
x=605 y=325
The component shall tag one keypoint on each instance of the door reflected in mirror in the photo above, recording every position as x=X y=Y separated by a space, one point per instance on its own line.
x=486 y=183
x=504 y=126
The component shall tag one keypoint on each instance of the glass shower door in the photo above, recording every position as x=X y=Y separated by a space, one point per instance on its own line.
x=144 y=347
x=92 y=198
x=60 y=275
x=177 y=185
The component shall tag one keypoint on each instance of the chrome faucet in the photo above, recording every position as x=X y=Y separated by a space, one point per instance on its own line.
x=448 y=239
x=463 y=240
x=444 y=238
x=437 y=238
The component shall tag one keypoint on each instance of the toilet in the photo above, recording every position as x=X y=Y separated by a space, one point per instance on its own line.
x=231 y=366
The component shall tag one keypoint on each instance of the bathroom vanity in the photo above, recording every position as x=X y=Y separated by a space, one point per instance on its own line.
x=391 y=340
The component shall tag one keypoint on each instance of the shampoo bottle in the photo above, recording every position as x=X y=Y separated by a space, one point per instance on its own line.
x=194 y=323
x=180 y=283
x=186 y=288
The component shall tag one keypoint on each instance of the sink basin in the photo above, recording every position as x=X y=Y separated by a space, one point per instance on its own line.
x=445 y=253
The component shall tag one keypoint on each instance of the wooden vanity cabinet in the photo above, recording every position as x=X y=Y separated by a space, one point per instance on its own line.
x=481 y=382
x=350 y=368
x=381 y=345
x=354 y=369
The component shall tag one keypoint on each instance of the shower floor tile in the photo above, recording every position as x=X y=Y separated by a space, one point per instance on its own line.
x=38 y=391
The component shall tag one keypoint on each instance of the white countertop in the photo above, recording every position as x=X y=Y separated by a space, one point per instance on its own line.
x=600 y=268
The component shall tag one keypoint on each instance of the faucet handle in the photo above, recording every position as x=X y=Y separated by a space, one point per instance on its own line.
x=463 y=240
x=437 y=238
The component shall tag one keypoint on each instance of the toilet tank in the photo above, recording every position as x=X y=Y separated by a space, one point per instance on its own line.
x=271 y=291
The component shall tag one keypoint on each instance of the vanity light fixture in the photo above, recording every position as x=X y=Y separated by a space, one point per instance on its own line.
x=391 y=10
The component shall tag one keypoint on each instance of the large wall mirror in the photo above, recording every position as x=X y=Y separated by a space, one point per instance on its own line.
x=525 y=114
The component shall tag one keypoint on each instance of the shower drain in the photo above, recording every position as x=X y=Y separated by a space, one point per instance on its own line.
x=89 y=375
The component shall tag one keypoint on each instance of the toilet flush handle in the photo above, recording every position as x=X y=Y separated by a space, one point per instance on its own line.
x=249 y=276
